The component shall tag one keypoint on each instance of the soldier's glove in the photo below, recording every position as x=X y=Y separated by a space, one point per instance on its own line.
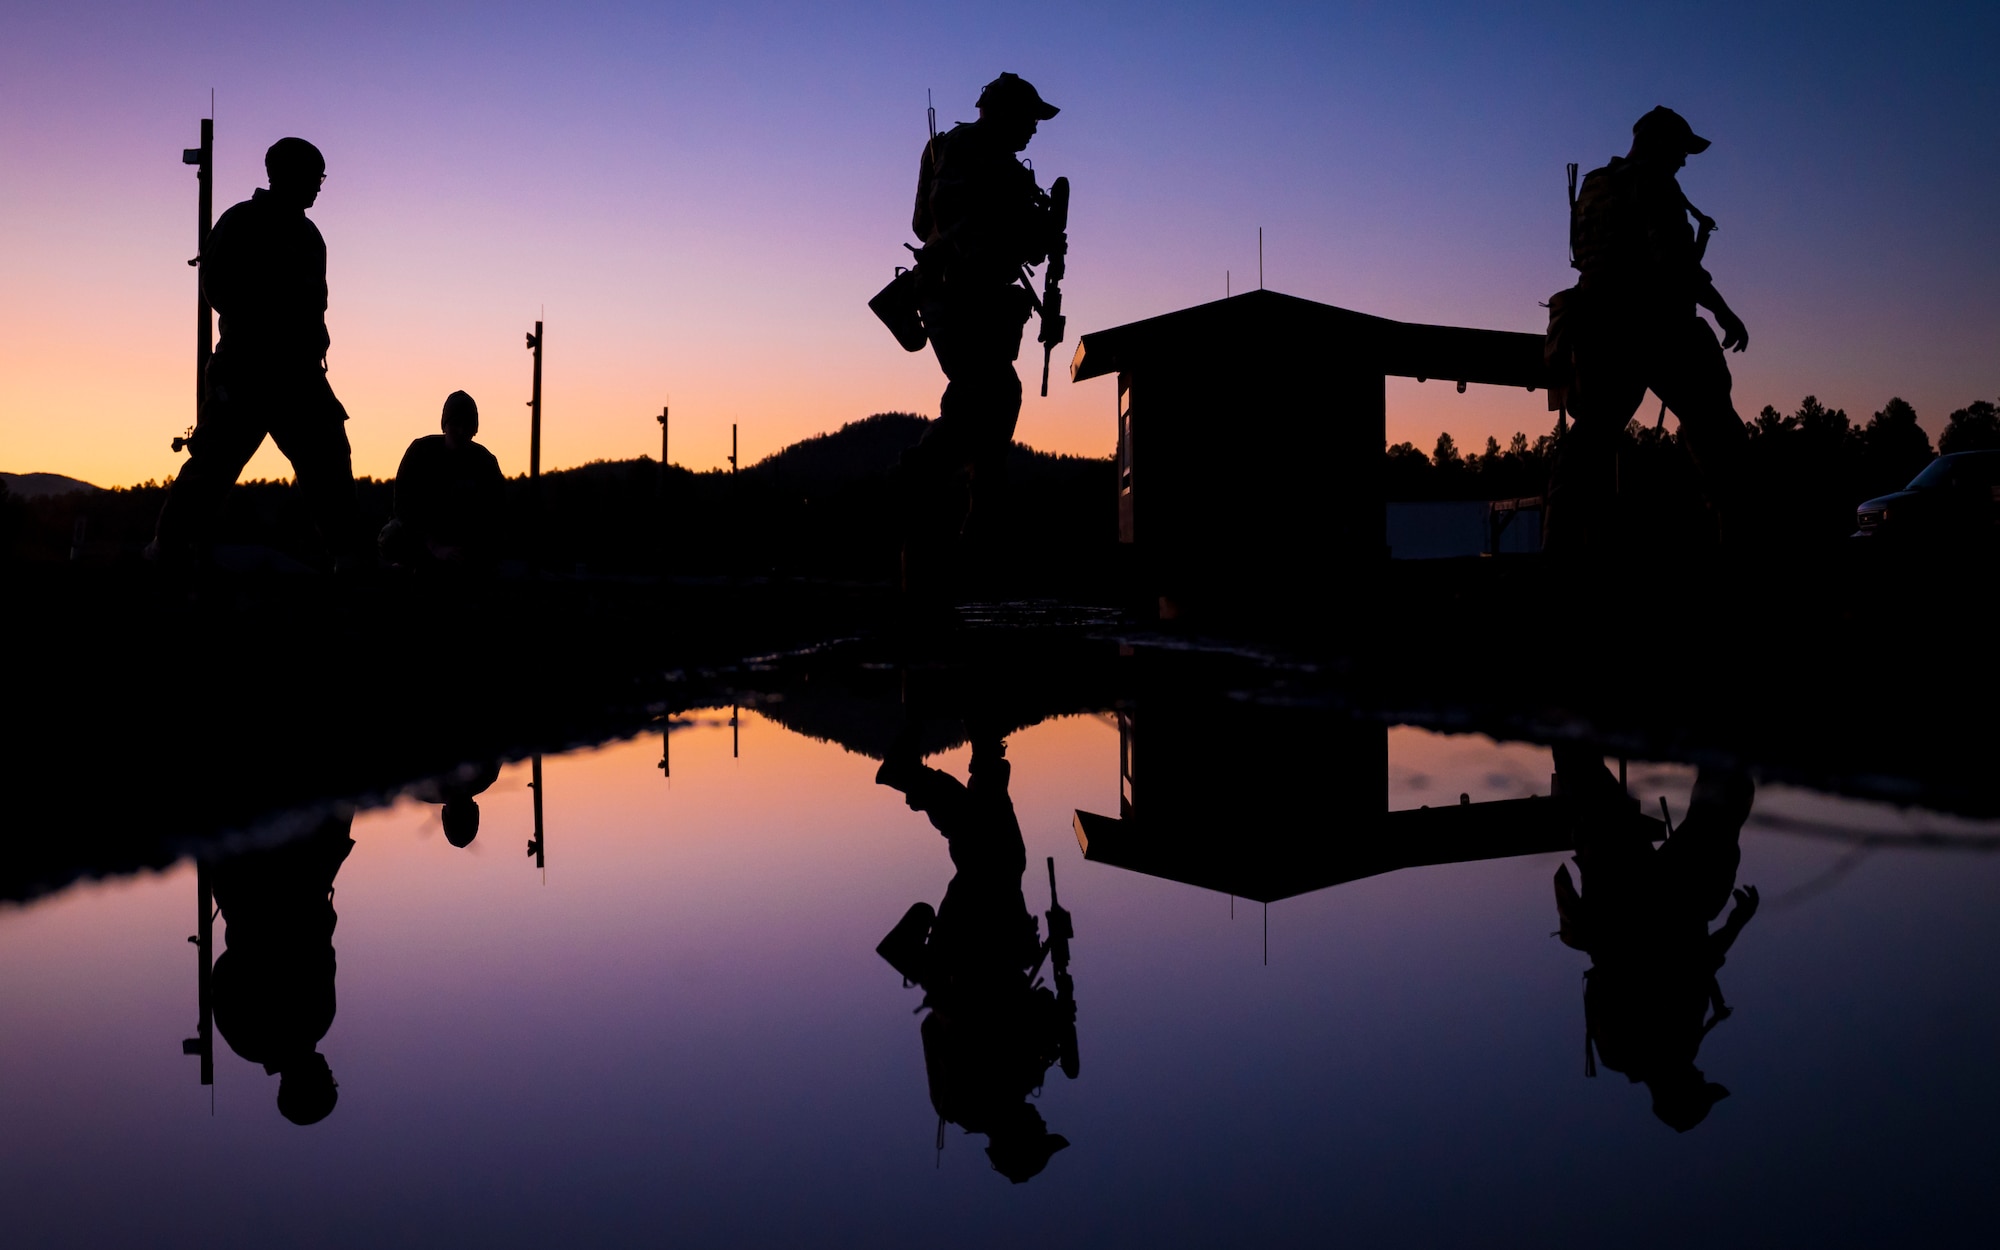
x=1735 y=337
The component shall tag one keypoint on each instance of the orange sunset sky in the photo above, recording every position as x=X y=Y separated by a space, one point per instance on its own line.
x=703 y=202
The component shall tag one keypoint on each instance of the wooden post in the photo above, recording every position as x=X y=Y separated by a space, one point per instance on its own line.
x=666 y=516
x=535 y=412
x=203 y=159
x=535 y=453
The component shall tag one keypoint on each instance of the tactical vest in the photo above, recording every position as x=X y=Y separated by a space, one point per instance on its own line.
x=1630 y=231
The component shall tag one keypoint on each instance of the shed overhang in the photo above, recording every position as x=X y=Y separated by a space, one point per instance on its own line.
x=1309 y=330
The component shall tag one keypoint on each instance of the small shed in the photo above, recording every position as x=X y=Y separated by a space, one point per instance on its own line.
x=1250 y=438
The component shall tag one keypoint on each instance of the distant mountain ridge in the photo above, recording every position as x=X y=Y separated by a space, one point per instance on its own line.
x=43 y=485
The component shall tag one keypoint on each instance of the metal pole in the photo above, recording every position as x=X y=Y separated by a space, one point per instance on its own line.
x=535 y=411
x=203 y=159
x=666 y=517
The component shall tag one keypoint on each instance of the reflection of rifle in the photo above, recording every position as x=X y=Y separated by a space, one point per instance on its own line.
x=1060 y=928
x=1060 y=932
x=1052 y=314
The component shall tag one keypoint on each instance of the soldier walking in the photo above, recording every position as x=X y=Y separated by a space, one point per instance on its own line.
x=264 y=271
x=1630 y=325
x=981 y=218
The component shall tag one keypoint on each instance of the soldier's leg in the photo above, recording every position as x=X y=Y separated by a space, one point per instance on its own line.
x=1581 y=511
x=1692 y=376
x=313 y=436
x=998 y=408
x=1701 y=858
x=229 y=433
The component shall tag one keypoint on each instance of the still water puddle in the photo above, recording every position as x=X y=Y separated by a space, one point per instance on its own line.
x=678 y=1027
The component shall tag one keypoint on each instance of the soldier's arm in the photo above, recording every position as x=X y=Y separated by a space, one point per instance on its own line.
x=1735 y=337
x=218 y=267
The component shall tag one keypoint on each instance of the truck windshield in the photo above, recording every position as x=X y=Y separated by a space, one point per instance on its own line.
x=1936 y=473
x=1967 y=468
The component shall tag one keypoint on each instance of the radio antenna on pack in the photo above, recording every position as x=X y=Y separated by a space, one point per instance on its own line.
x=930 y=113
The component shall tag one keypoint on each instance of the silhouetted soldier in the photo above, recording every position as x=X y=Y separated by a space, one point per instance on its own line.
x=992 y=1033
x=1630 y=325
x=447 y=495
x=274 y=997
x=981 y=218
x=264 y=270
x=1643 y=916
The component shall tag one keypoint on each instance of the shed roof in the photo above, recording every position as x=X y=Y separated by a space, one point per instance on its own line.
x=1399 y=348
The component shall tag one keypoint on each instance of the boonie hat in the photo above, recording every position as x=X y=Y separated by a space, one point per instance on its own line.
x=1015 y=94
x=1663 y=125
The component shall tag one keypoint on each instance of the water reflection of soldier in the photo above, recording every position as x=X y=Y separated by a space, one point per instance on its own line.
x=447 y=495
x=993 y=1031
x=981 y=218
x=1630 y=325
x=458 y=792
x=274 y=997
x=1643 y=918
x=264 y=271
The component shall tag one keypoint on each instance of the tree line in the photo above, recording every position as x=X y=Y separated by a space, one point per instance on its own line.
x=1806 y=469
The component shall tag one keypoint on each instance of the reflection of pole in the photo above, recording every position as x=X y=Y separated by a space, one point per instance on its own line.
x=666 y=745
x=203 y=1042
x=536 y=843
x=735 y=733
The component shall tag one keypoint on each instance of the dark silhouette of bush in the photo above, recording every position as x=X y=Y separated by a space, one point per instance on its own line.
x=1975 y=427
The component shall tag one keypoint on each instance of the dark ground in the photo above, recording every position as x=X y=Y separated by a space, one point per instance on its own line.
x=147 y=718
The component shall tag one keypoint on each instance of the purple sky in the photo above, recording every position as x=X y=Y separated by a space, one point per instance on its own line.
x=704 y=200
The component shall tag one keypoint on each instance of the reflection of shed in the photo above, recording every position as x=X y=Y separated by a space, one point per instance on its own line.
x=1250 y=435
x=1270 y=803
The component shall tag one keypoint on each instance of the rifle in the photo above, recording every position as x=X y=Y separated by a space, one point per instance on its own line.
x=1052 y=314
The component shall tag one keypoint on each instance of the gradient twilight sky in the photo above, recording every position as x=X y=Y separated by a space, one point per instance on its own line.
x=703 y=199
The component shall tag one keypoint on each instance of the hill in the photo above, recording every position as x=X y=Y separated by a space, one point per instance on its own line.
x=820 y=508
x=43 y=485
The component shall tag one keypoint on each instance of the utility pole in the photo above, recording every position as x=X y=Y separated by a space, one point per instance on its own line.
x=666 y=516
x=732 y=451
x=535 y=412
x=203 y=159
x=535 y=453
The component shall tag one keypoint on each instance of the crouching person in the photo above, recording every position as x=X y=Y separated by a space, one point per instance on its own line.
x=447 y=496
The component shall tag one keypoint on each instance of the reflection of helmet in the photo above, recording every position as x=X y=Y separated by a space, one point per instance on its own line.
x=307 y=1090
x=1021 y=1149
x=1684 y=1100
x=461 y=822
